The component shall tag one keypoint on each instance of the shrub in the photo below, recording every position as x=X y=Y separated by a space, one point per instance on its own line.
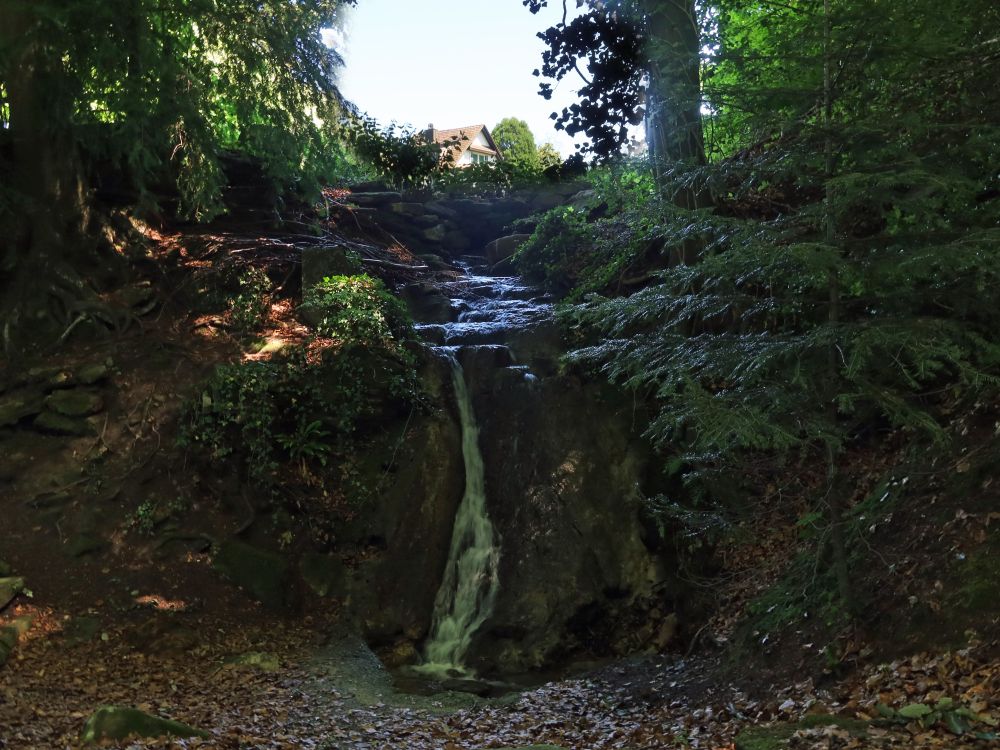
x=357 y=309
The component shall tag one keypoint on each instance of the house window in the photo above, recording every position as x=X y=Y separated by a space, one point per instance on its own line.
x=481 y=159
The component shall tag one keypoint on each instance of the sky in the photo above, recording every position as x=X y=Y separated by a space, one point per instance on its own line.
x=452 y=64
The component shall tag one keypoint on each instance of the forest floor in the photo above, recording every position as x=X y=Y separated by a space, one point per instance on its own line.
x=136 y=626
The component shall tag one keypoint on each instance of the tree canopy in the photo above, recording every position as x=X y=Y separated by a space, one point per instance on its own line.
x=156 y=90
x=516 y=142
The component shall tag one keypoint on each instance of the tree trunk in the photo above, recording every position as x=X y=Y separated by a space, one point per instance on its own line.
x=673 y=124
x=51 y=220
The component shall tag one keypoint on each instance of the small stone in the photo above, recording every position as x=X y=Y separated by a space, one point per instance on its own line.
x=117 y=723
x=78 y=402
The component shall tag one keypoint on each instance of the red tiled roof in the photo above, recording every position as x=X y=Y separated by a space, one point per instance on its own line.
x=458 y=140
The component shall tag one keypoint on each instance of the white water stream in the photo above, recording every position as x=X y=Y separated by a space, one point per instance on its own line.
x=469 y=587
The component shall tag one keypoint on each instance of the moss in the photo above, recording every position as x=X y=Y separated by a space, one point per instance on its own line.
x=777 y=736
x=115 y=723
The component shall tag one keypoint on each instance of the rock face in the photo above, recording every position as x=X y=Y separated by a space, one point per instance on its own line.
x=405 y=534
x=564 y=469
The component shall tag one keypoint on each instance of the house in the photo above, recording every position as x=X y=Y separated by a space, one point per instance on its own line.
x=463 y=147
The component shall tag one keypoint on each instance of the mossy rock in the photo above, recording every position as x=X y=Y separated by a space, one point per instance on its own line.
x=59 y=424
x=10 y=634
x=9 y=588
x=5 y=569
x=262 y=660
x=262 y=574
x=16 y=406
x=117 y=723
x=92 y=373
x=776 y=736
x=980 y=578
x=77 y=402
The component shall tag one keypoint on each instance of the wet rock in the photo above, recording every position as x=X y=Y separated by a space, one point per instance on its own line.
x=262 y=574
x=19 y=405
x=118 y=723
x=57 y=424
x=427 y=303
x=324 y=574
x=503 y=248
x=9 y=588
x=320 y=262
x=473 y=687
x=400 y=654
x=77 y=402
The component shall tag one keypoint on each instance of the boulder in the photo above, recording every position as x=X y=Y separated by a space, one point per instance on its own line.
x=118 y=723
x=92 y=374
x=373 y=199
x=427 y=303
x=58 y=424
x=325 y=260
x=370 y=186
x=9 y=588
x=9 y=636
x=76 y=402
x=262 y=574
x=407 y=209
x=435 y=233
x=8 y=640
x=18 y=405
x=503 y=248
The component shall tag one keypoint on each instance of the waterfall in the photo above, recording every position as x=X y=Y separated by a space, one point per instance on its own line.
x=469 y=588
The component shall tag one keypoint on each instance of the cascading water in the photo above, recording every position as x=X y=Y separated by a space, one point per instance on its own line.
x=469 y=588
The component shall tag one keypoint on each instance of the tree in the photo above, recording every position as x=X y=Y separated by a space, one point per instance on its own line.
x=548 y=156
x=155 y=91
x=850 y=274
x=517 y=143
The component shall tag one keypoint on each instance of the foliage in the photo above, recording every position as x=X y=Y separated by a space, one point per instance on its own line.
x=572 y=254
x=357 y=309
x=613 y=46
x=517 y=143
x=488 y=179
x=293 y=424
x=160 y=90
x=548 y=157
x=398 y=154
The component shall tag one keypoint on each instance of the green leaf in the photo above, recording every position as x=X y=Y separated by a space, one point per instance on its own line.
x=914 y=711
